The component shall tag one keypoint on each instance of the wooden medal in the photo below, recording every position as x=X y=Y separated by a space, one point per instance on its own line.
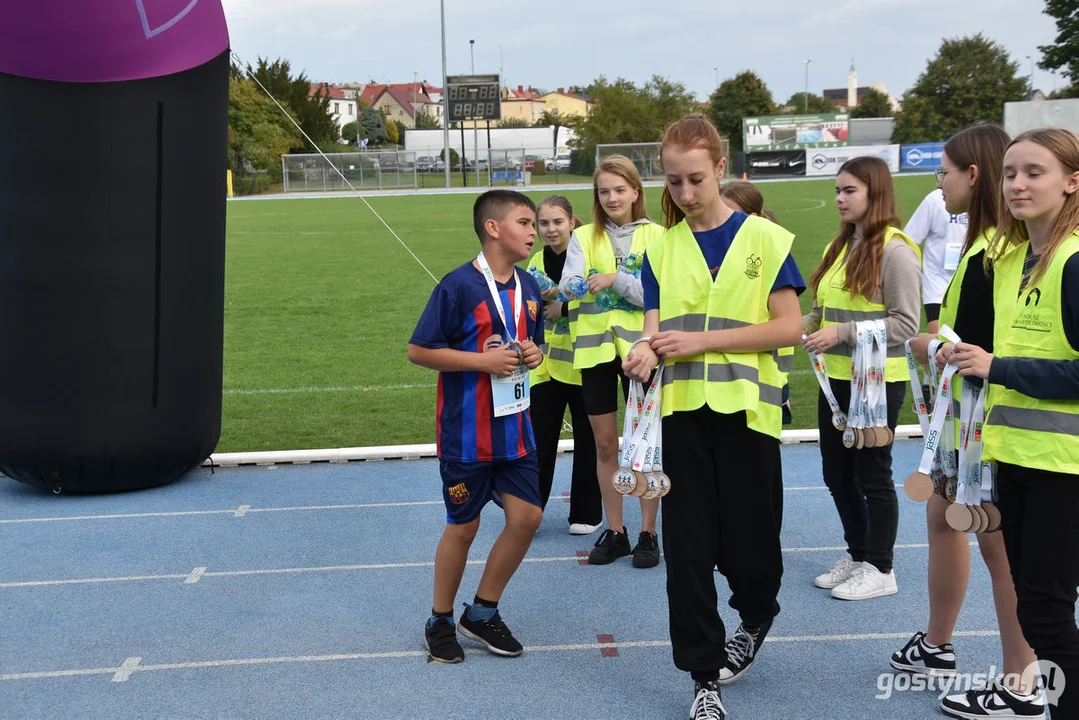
x=919 y=487
x=640 y=485
x=839 y=421
x=652 y=490
x=885 y=436
x=848 y=437
x=859 y=439
x=960 y=517
x=664 y=484
x=869 y=438
x=624 y=481
x=993 y=513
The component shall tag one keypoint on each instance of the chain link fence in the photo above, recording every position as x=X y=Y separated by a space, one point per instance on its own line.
x=380 y=170
x=645 y=156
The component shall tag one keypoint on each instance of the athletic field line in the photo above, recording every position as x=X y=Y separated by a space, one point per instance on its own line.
x=133 y=665
x=362 y=388
x=197 y=574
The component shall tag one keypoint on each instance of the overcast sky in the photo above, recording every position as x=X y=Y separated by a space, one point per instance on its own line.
x=557 y=43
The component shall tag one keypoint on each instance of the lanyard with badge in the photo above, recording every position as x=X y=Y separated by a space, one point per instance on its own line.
x=509 y=395
x=939 y=436
x=640 y=471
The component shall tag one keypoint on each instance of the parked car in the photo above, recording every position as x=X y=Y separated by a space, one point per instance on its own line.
x=561 y=162
x=426 y=163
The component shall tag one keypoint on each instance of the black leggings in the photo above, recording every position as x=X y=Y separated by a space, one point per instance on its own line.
x=548 y=408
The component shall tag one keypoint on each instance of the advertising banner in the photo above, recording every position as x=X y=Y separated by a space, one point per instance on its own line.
x=921 y=156
x=827 y=161
x=791 y=132
x=776 y=163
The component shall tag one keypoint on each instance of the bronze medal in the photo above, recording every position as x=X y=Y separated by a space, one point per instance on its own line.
x=919 y=487
x=624 y=481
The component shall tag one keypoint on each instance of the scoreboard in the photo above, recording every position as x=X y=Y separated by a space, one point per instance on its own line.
x=473 y=97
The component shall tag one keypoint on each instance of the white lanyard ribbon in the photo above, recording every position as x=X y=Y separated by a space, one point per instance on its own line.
x=857 y=414
x=820 y=370
x=511 y=330
x=942 y=410
x=878 y=396
x=971 y=408
x=920 y=408
x=642 y=415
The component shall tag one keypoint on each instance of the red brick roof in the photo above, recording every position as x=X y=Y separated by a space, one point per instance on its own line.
x=402 y=93
x=334 y=93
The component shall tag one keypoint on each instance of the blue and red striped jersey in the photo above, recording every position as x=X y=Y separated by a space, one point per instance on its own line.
x=461 y=315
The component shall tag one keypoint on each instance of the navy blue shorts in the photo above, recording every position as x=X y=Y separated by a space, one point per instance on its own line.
x=467 y=487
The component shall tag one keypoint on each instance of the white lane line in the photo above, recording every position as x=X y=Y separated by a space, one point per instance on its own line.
x=339 y=389
x=194 y=576
x=133 y=664
x=230 y=511
x=199 y=573
x=126 y=669
x=242 y=510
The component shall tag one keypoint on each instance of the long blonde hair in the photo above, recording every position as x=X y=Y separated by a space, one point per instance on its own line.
x=623 y=167
x=1010 y=231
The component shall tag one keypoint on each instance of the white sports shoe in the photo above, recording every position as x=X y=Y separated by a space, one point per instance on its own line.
x=583 y=528
x=865 y=583
x=837 y=574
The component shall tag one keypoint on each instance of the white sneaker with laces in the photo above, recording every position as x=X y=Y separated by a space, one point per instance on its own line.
x=994 y=701
x=865 y=583
x=583 y=528
x=837 y=575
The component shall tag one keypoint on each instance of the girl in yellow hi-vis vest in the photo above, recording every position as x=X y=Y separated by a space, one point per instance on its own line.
x=721 y=300
x=602 y=276
x=870 y=271
x=1032 y=430
x=555 y=384
x=970 y=177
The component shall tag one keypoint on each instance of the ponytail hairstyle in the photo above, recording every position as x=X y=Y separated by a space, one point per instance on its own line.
x=563 y=204
x=623 y=167
x=863 y=263
x=745 y=196
x=982 y=145
x=692 y=131
x=1065 y=148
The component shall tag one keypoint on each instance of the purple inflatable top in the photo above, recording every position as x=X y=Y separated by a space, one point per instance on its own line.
x=109 y=40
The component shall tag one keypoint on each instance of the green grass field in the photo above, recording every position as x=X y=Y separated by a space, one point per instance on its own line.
x=320 y=301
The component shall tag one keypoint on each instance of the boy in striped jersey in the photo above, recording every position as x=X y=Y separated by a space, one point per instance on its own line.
x=481 y=330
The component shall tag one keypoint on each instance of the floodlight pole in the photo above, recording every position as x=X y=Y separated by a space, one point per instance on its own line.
x=475 y=128
x=445 y=103
x=1030 y=94
x=806 y=93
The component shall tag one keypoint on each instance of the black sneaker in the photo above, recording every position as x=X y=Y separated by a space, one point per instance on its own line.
x=493 y=634
x=921 y=658
x=610 y=546
x=993 y=701
x=646 y=554
x=742 y=650
x=707 y=704
x=440 y=639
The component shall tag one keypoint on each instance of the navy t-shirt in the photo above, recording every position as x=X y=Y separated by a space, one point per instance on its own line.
x=714 y=244
x=461 y=315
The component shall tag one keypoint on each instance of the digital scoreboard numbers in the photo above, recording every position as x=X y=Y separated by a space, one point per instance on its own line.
x=473 y=97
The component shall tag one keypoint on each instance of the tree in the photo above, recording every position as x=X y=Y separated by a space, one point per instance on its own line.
x=258 y=133
x=401 y=130
x=968 y=81
x=513 y=122
x=1064 y=52
x=454 y=156
x=549 y=119
x=624 y=113
x=744 y=95
x=797 y=104
x=392 y=133
x=348 y=132
x=374 y=126
x=874 y=104
x=427 y=122
x=294 y=93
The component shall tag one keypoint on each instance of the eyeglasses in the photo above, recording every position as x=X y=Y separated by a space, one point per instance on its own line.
x=941 y=173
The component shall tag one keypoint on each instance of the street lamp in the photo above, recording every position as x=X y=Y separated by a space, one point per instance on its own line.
x=1031 y=92
x=475 y=125
x=805 y=95
x=717 y=76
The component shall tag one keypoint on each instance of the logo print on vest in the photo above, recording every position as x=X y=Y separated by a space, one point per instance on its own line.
x=1035 y=295
x=753 y=267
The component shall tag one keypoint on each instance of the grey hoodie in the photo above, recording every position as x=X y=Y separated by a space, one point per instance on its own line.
x=625 y=284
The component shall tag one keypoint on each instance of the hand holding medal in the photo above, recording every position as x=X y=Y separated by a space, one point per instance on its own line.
x=640 y=464
x=919 y=485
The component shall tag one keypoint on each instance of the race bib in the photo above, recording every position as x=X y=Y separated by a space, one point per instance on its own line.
x=952 y=253
x=510 y=395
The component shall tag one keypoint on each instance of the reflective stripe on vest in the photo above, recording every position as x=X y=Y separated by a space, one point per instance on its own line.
x=557 y=347
x=1021 y=430
x=840 y=307
x=600 y=336
x=690 y=300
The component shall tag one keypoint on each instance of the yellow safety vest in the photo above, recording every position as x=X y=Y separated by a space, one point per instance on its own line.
x=690 y=300
x=1039 y=434
x=600 y=336
x=839 y=307
x=557 y=347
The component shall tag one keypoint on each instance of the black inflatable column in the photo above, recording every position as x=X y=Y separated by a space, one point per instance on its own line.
x=112 y=251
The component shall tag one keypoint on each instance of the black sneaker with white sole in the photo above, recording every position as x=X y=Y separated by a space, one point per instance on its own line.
x=492 y=634
x=707 y=704
x=742 y=651
x=920 y=658
x=993 y=701
x=440 y=639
